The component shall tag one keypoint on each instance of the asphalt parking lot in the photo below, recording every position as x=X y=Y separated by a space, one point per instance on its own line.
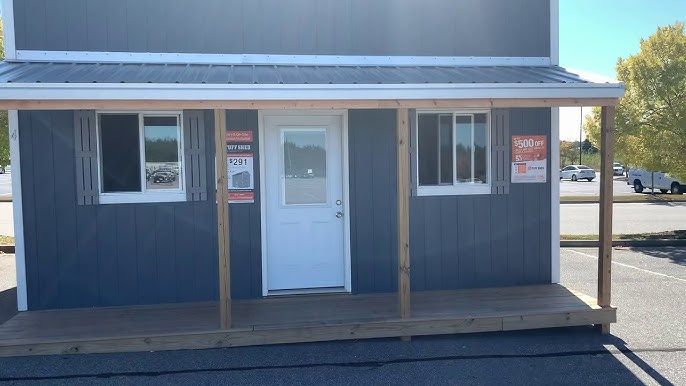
x=592 y=188
x=628 y=218
x=6 y=184
x=648 y=346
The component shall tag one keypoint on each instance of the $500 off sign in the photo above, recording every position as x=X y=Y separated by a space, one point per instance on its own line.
x=529 y=159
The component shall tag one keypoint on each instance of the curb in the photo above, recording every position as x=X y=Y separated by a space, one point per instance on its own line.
x=5 y=198
x=624 y=243
x=636 y=201
x=9 y=249
x=623 y=202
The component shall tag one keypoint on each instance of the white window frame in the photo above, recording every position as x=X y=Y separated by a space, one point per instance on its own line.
x=457 y=188
x=144 y=196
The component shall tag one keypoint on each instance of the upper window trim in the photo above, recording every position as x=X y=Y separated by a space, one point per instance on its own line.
x=457 y=188
x=162 y=195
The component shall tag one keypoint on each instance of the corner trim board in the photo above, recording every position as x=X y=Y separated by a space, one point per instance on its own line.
x=18 y=211
x=555 y=195
x=554 y=32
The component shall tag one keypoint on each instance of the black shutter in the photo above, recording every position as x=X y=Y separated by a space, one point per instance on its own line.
x=500 y=151
x=194 y=155
x=86 y=158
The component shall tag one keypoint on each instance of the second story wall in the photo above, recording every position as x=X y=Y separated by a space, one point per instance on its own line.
x=518 y=28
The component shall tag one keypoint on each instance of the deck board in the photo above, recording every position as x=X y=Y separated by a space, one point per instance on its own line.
x=296 y=319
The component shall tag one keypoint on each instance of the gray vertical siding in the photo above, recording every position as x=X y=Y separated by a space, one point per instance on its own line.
x=106 y=255
x=312 y=27
x=373 y=217
x=455 y=241
x=244 y=226
x=127 y=254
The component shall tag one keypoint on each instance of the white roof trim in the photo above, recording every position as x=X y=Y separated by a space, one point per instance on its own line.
x=591 y=77
x=135 y=91
x=302 y=60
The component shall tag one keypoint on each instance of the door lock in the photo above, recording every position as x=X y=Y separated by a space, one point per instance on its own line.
x=339 y=214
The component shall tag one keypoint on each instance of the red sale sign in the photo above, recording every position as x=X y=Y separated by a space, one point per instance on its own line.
x=529 y=159
x=239 y=136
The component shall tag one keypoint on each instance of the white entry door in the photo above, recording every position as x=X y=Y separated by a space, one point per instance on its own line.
x=303 y=183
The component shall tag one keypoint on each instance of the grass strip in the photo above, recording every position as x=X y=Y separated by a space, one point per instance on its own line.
x=6 y=240
x=670 y=235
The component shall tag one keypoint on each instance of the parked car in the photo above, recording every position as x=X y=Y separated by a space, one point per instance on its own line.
x=617 y=169
x=642 y=179
x=577 y=172
x=158 y=177
x=2 y=170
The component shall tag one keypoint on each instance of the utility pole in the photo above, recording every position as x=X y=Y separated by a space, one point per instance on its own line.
x=581 y=126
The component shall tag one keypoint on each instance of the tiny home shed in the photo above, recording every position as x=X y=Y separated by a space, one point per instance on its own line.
x=394 y=166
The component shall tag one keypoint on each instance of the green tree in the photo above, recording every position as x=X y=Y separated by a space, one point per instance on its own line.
x=4 y=129
x=569 y=153
x=651 y=118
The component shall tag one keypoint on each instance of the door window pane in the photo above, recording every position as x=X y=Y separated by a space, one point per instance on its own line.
x=480 y=149
x=119 y=145
x=463 y=148
x=427 y=141
x=304 y=165
x=162 y=166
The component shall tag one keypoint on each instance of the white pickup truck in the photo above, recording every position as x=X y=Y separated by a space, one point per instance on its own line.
x=642 y=179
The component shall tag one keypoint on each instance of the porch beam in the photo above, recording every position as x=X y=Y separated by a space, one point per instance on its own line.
x=222 y=220
x=17 y=104
x=403 y=213
x=607 y=131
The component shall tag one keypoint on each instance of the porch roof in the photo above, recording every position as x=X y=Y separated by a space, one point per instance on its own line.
x=72 y=81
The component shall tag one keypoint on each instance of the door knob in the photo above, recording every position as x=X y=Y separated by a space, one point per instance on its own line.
x=339 y=214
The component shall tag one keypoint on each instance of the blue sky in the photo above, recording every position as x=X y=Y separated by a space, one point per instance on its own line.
x=594 y=33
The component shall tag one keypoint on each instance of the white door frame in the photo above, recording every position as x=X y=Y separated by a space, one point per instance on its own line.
x=346 y=193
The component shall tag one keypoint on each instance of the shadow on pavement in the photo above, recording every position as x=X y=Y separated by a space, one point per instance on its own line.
x=675 y=254
x=8 y=304
x=649 y=370
x=551 y=356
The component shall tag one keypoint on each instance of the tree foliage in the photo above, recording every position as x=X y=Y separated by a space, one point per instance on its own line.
x=569 y=153
x=4 y=129
x=651 y=118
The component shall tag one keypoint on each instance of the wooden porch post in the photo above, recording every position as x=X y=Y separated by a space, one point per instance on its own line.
x=222 y=219
x=403 y=213
x=607 y=131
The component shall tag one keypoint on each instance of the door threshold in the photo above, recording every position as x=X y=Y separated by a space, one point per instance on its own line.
x=308 y=291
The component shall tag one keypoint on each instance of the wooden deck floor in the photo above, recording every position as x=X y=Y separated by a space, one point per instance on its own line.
x=296 y=319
